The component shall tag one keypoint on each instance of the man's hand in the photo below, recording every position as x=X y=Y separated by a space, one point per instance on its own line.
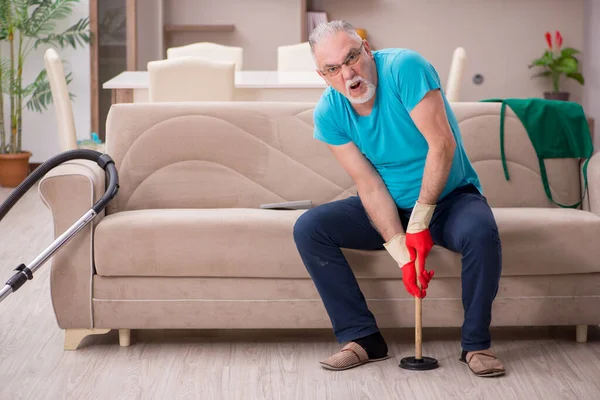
x=409 y=277
x=400 y=253
x=418 y=240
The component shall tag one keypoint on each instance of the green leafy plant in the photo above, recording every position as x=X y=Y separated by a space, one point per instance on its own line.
x=558 y=61
x=26 y=25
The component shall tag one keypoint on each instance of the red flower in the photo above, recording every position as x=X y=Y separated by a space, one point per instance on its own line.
x=549 y=40
x=559 y=40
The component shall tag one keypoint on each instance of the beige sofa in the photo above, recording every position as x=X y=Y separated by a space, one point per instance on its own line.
x=186 y=245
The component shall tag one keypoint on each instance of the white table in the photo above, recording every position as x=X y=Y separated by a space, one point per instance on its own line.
x=132 y=86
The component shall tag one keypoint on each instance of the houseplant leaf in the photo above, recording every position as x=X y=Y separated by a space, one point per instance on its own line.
x=5 y=78
x=538 y=62
x=44 y=17
x=569 y=51
x=76 y=34
x=41 y=94
x=567 y=65
x=543 y=73
x=543 y=61
x=6 y=18
x=577 y=76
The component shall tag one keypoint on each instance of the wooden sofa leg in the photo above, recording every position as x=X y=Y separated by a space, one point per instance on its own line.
x=124 y=337
x=73 y=337
x=581 y=333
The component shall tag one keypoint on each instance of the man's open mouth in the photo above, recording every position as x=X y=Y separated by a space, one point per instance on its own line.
x=355 y=86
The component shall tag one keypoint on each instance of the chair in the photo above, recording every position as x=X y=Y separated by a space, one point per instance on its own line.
x=211 y=51
x=457 y=68
x=295 y=57
x=67 y=136
x=191 y=79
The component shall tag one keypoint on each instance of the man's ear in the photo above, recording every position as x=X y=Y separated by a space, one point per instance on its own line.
x=368 y=48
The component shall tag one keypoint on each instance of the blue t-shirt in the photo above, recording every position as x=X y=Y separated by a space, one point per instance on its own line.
x=388 y=137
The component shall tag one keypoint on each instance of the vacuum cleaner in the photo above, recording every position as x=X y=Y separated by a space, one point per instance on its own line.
x=25 y=272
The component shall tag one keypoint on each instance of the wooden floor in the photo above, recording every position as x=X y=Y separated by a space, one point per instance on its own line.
x=542 y=363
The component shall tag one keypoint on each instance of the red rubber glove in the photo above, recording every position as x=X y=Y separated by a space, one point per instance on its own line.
x=399 y=252
x=418 y=240
x=409 y=278
x=419 y=245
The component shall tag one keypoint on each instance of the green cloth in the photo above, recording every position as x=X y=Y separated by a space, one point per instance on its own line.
x=557 y=129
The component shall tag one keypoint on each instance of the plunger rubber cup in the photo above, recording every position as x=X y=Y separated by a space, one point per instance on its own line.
x=418 y=362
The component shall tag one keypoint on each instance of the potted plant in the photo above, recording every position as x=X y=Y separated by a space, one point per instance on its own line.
x=26 y=25
x=557 y=62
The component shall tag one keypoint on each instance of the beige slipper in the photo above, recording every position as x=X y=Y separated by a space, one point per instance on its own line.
x=352 y=355
x=483 y=363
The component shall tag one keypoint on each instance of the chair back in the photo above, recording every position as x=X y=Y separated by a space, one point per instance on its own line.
x=210 y=51
x=295 y=57
x=191 y=79
x=457 y=68
x=67 y=135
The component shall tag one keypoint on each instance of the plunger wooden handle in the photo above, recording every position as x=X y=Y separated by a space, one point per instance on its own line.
x=418 y=315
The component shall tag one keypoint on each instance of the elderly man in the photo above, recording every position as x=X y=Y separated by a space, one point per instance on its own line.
x=388 y=123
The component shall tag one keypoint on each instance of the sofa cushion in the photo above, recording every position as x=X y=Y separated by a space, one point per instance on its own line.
x=239 y=242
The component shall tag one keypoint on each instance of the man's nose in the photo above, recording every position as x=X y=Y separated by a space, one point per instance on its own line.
x=347 y=72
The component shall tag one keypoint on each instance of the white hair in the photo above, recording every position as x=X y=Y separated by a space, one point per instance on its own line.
x=328 y=29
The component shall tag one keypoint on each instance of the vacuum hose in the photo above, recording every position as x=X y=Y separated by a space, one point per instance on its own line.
x=105 y=162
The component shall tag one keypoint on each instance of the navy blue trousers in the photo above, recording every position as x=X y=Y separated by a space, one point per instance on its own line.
x=462 y=222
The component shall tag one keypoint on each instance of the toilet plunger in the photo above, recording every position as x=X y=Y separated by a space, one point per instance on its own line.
x=418 y=362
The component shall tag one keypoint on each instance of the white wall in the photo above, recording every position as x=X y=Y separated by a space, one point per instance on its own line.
x=40 y=134
x=591 y=64
x=260 y=26
x=501 y=37
x=150 y=19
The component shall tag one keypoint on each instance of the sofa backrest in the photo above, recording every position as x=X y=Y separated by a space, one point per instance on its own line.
x=222 y=155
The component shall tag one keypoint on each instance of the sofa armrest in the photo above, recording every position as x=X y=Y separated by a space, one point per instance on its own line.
x=592 y=203
x=69 y=191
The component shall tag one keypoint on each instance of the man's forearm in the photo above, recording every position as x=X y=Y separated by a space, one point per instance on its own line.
x=432 y=121
x=382 y=210
x=437 y=168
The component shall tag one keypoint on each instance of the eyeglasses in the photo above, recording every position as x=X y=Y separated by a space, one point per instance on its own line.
x=351 y=59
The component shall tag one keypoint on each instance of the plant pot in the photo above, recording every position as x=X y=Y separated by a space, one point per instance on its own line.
x=14 y=168
x=563 y=96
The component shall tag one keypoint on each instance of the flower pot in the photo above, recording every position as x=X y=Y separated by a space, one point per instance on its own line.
x=564 y=96
x=14 y=168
